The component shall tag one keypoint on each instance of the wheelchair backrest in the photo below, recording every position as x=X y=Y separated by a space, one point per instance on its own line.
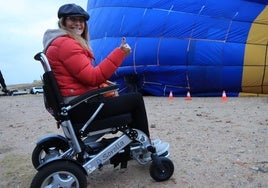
x=52 y=98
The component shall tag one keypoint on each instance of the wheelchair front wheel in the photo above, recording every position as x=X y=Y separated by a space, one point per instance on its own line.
x=47 y=150
x=164 y=172
x=60 y=174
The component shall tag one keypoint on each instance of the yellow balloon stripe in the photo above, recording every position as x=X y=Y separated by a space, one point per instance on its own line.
x=255 y=71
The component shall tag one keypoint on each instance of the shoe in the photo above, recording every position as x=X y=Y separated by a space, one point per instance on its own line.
x=5 y=90
x=160 y=148
x=156 y=142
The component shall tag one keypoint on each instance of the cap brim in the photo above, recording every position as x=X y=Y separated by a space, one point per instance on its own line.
x=72 y=15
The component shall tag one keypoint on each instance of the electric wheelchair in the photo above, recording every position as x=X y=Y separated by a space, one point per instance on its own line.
x=66 y=161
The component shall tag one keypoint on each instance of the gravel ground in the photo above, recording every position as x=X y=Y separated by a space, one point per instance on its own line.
x=213 y=143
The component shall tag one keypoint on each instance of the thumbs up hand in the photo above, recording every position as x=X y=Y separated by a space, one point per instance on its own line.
x=125 y=47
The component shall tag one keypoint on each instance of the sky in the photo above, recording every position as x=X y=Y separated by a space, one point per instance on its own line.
x=23 y=23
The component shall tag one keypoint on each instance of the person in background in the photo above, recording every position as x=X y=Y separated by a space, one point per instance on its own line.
x=3 y=84
x=71 y=60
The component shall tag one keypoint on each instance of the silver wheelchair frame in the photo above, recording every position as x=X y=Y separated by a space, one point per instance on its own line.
x=162 y=166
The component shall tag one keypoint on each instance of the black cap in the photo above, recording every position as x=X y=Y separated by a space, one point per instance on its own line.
x=72 y=10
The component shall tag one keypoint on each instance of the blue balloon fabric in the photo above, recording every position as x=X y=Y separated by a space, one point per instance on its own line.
x=201 y=46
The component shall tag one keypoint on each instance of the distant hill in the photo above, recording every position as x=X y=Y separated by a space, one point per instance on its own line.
x=25 y=86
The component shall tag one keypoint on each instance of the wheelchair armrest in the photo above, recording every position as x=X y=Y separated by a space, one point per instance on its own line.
x=76 y=101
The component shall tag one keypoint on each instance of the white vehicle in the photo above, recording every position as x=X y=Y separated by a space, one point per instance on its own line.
x=36 y=90
x=17 y=92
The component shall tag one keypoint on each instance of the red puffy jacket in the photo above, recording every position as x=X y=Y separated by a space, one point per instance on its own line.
x=73 y=69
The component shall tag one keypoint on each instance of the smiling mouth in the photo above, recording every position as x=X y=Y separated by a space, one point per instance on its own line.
x=77 y=30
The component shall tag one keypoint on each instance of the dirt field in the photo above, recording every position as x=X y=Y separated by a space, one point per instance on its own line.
x=213 y=143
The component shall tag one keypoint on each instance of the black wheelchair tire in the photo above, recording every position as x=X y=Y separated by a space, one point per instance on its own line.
x=48 y=145
x=157 y=174
x=57 y=174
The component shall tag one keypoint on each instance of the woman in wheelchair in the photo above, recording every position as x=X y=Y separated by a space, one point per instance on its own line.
x=70 y=57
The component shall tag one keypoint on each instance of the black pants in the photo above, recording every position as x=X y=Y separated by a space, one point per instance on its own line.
x=2 y=81
x=127 y=103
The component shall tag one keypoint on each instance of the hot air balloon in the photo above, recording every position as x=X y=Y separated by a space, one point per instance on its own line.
x=201 y=46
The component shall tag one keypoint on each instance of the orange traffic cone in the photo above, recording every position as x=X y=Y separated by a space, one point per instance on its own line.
x=224 y=97
x=188 y=96
x=170 y=97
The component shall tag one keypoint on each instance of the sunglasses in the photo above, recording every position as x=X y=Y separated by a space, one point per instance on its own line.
x=76 y=19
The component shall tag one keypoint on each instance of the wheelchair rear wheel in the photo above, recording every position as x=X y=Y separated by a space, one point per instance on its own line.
x=163 y=172
x=47 y=150
x=60 y=174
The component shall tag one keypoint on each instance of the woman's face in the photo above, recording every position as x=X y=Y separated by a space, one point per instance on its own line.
x=76 y=24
